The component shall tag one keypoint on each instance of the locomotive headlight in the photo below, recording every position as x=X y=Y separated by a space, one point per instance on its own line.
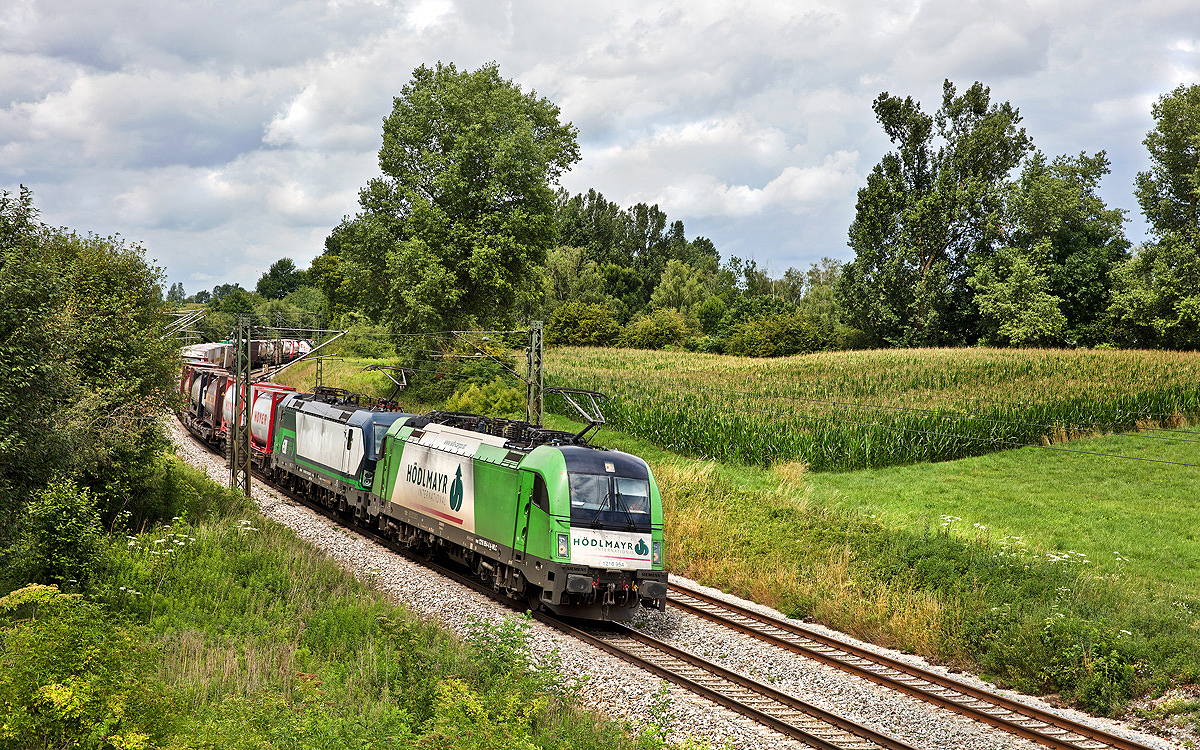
x=564 y=545
x=656 y=553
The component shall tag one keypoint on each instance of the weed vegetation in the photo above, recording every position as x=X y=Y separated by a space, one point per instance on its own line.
x=841 y=411
x=222 y=629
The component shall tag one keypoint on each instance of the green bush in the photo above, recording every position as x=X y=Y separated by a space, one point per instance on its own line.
x=363 y=341
x=71 y=677
x=779 y=336
x=580 y=324
x=661 y=328
x=744 y=309
x=495 y=398
x=1087 y=664
x=59 y=537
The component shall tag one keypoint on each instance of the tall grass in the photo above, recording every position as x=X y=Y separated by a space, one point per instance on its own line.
x=848 y=410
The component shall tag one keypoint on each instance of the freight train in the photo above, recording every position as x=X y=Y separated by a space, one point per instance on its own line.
x=206 y=387
x=539 y=514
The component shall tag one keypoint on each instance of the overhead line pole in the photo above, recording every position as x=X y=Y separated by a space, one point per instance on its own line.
x=534 y=382
x=239 y=439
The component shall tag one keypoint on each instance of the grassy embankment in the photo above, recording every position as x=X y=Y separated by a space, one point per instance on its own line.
x=224 y=630
x=1052 y=571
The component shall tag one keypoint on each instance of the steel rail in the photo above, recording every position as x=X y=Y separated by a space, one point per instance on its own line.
x=779 y=720
x=1012 y=716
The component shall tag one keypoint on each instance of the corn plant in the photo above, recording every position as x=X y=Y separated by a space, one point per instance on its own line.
x=850 y=410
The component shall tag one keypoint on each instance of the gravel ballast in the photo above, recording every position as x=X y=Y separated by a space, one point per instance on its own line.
x=614 y=688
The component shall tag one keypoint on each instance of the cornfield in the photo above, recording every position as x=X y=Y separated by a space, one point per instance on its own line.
x=849 y=410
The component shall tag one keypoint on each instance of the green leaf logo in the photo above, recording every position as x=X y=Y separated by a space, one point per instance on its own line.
x=641 y=547
x=456 y=491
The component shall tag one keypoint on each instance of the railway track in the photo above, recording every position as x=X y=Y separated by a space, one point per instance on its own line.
x=784 y=713
x=982 y=705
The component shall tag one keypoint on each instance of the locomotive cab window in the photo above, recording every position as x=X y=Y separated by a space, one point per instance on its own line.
x=380 y=431
x=541 y=498
x=610 y=502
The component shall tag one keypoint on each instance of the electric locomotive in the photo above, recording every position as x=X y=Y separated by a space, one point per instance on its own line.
x=574 y=529
x=326 y=444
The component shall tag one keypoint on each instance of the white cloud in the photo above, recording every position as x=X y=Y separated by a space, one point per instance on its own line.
x=227 y=136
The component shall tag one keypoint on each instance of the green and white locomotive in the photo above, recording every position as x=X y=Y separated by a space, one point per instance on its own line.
x=570 y=528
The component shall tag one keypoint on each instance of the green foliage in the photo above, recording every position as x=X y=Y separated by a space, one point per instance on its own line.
x=87 y=374
x=1014 y=305
x=779 y=336
x=745 y=309
x=1088 y=663
x=496 y=398
x=72 y=676
x=176 y=296
x=928 y=207
x=280 y=280
x=582 y=324
x=710 y=312
x=681 y=287
x=58 y=539
x=1057 y=221
x=1156 y=300
x=1169 y=192
x=325 y=274
x=362 y=340
x=661 y=328
x=572 y=277
x=452 y=235
x=36 y=382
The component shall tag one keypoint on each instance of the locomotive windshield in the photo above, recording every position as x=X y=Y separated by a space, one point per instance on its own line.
x=610 y=502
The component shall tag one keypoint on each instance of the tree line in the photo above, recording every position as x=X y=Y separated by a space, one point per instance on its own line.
x=964 y=234
x=86 y=380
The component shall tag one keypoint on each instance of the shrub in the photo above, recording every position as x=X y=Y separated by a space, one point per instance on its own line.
x=778 y=336
x=59 y=537
x=745 y=309
x=580 y=324
x=661 y=328
x=70 y=677
x=494 y=398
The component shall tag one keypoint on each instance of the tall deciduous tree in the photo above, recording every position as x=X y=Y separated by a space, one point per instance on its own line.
x=455 y=229
x=1158 y=294
x=1061 y=246
x=280 y=280
x=86 y=373
x=927 y=209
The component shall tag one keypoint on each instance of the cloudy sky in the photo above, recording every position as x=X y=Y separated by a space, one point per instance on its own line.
x=225 y=135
